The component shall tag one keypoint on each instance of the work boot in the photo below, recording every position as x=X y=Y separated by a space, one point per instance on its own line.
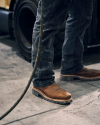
x=53 y=93
x=84 y=74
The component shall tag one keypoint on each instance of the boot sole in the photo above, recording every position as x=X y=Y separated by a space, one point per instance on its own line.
x=40 y=94
x=73 y=77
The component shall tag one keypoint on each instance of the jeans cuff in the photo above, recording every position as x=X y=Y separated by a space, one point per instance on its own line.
x=43 y=84
x=72 y=71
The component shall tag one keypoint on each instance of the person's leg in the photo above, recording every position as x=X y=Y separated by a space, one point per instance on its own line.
x=80 y=14
x=54 y=15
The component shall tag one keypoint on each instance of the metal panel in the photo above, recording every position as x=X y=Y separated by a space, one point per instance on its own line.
x=4 y=16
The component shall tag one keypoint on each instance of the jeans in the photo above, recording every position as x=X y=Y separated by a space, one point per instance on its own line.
x=55 y=13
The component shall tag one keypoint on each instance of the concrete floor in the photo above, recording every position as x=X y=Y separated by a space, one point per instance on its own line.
x=14 y=74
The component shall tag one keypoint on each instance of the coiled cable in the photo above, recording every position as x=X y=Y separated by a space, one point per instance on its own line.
x=35 y=65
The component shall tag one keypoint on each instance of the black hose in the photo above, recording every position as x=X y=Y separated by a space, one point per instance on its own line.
x=35 y=66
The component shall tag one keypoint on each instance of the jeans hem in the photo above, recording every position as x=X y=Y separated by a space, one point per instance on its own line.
x=44 y=84
x=71 y=72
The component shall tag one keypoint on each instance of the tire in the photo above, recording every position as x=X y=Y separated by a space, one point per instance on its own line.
x=23 y=19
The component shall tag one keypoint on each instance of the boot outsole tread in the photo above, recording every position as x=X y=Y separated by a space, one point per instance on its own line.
x=73 y=77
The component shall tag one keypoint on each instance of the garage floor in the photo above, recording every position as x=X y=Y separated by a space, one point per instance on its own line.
x=14 y=74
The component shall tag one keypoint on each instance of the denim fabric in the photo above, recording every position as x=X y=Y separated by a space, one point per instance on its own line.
x=55 y=12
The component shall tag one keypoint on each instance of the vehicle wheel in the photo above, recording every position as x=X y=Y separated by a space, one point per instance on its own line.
x=24 y=18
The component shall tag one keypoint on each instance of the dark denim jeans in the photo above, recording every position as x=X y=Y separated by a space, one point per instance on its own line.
x=55 y=12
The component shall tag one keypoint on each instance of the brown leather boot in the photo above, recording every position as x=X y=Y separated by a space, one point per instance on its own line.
x=84 y=74
x=53 y=93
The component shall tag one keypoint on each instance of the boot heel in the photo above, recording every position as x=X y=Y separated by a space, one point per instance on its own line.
x=66 y=78
x=35 y=93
